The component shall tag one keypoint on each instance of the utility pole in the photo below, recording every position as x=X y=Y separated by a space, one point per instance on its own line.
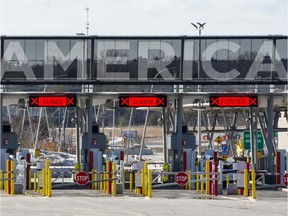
x=199 y=27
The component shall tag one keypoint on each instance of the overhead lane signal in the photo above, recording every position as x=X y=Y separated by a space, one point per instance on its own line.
x=52 y=101
x=234 y=101
x=143 y=101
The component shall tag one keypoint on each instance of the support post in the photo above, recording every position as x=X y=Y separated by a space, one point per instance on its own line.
x=207 y=177
x=216 y=178
x=131 y=181
x=197 y=183
x=149 y=184
x=252 y=136
x=253 y=176
x=179 y=132
x=35 y=182
x=270 y=135
x=164 y=135
x=8 y=169
x=114 y=181
x=202 y=183
x=12 y=169
x=246 y=183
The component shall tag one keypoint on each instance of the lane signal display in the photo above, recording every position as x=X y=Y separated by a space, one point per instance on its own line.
x=234 y=101
x=143 y=101
x=52 y=101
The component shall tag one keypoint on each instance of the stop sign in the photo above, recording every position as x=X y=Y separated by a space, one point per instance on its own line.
x=82 y=178
x=285 y=179
x=181 y=178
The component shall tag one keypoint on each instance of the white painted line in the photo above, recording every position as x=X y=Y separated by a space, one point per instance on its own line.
x=251 y=199
x=231 y=198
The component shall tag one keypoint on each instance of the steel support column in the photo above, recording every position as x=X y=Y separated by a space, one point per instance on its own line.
x=252 y=141
x=89 y=118
x=179 y=131
x=270 y=165
x=164 y=134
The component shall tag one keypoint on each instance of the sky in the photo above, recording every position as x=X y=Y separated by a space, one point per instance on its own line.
x=143 y=17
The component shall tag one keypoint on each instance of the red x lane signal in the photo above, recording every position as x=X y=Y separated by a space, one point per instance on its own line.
x=234 y=101
x=143 y=101
x=34 y=101
x=52 y=101
x=124 y=101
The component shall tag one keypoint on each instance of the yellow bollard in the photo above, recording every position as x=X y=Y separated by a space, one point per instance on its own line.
x=35 y=184
x=114 y=181
x=202 y=182
x=227 y=180
x=92 y=175
x=104 y=183
x=101 y=182
x=135 y=186
x=131 y=181
x=197 y=183
x=246 y=183
x=47 y=166
x=7 y=176
x=143 y=182
x=96 y=178
x=138 y=190
x=48 y=182
x=239 y=191
x=12 y=176
x=144 y=188
x=1 y=181
x=6 y=182
x=38 y=181
x=253 y=176
x=207 y=177
x=106 y=177
x=150 y=184
x=49 y=194
x=29 y=179
x=189 y=180
x=43 y=182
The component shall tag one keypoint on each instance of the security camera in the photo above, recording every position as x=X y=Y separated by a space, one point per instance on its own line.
x=11 y=157
x=247 y=119
x=73 y=120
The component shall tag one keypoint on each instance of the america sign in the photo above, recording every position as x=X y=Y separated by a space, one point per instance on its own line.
x=161 y=60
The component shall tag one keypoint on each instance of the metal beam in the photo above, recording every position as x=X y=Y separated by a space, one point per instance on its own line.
x=270 y=161
x=179 y=132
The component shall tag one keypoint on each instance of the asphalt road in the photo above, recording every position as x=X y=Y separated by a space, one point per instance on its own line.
x=164 y=202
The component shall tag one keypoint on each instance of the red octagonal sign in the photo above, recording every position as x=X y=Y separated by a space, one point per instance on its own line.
x=181 y=178
x=82 y=178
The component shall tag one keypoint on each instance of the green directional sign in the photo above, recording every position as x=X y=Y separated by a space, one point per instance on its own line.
x=247 y=141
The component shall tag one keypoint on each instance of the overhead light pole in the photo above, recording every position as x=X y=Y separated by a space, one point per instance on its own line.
x=199 y=26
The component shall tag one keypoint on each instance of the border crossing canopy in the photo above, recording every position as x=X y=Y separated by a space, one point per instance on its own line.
x=144 y=60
